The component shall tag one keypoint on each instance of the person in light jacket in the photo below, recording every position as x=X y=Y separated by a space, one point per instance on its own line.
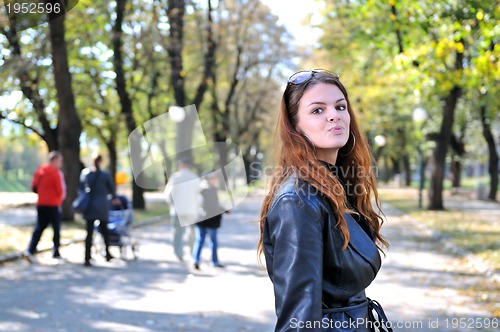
x=182 y=193
x=320 y=234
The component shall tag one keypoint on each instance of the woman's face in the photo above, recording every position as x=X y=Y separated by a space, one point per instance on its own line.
x=323 y=117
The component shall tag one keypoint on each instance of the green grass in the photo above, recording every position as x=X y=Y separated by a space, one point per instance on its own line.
x=468 y=229
x=8 y=185
x=468 y=183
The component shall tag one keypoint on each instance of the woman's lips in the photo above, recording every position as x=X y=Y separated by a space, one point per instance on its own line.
x=336 y=130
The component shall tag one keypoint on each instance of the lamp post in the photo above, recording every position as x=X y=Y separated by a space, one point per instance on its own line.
x=419 y=116
x=380 y=142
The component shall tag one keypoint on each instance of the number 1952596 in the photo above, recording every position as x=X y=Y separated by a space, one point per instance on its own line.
x=32 y=8
x=471 y=323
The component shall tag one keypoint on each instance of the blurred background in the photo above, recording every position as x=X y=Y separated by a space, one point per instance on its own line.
x=422 y=76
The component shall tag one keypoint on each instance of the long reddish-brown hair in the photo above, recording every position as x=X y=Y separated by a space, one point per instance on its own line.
x=354 y=162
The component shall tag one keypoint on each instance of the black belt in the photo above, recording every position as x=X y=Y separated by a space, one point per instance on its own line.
x=327 y=310
x=373 y=307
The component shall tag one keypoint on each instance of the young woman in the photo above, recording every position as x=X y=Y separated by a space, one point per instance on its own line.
x=320 y=234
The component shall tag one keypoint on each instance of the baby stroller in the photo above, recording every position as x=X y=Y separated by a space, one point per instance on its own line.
x=120 y=229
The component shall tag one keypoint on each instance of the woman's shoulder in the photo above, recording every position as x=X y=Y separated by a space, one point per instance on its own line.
x=298 y=191
x=293 y=185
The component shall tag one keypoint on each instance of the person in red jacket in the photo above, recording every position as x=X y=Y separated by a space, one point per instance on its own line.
x=48 y=183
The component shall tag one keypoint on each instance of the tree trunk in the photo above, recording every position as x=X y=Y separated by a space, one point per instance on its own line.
x=384 y=169
x=438 y=158
x=184 y=134
x=184 y=129
x=69 y=127
x=407 y=169
x=456 y=174
x=125 y=102
x=221 y=124
x=403 y=161
x=175 y=14
x=492 y=155
x=458 y=147
x=113 y=157
x=396 y=167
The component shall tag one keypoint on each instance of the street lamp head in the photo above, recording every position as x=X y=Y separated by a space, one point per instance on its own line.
x=419 y=114
x=177 y=114
x=380 y=140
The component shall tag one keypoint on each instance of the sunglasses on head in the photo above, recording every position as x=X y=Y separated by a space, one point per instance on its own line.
x=304 y=75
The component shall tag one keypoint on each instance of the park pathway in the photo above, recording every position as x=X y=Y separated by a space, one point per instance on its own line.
x=422 y=282
x=419 y=285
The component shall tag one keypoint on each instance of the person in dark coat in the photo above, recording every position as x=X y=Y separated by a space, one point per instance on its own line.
x=102 y=187
x=211 y=216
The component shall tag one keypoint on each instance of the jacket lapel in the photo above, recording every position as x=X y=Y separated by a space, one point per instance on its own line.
x=362 y=243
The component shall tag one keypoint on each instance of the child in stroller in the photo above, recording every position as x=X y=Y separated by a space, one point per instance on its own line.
x=119 y=228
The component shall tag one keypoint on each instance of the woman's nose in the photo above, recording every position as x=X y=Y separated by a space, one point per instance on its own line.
x=333 y=116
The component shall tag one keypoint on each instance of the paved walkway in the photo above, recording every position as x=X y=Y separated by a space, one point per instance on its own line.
x=419 y=286
x=17 y=208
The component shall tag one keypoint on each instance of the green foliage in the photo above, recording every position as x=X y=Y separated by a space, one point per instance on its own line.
x=395 y=56
x=473 y=230
x=251 y=47
x=18 y=161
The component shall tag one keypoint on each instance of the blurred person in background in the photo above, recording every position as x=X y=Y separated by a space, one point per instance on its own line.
x=48 y=182
x=102 y=189
x=211 y=215
x=182 y=194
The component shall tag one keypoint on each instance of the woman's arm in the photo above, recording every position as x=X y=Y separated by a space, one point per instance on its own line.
x=295 y=232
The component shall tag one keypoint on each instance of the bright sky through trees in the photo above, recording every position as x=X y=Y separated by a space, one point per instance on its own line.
x=293 y=14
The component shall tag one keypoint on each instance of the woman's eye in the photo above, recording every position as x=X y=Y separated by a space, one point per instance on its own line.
x=341 y=107
x=317 y=111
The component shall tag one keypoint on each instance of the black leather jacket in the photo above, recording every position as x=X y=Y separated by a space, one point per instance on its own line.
x=316 y=282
